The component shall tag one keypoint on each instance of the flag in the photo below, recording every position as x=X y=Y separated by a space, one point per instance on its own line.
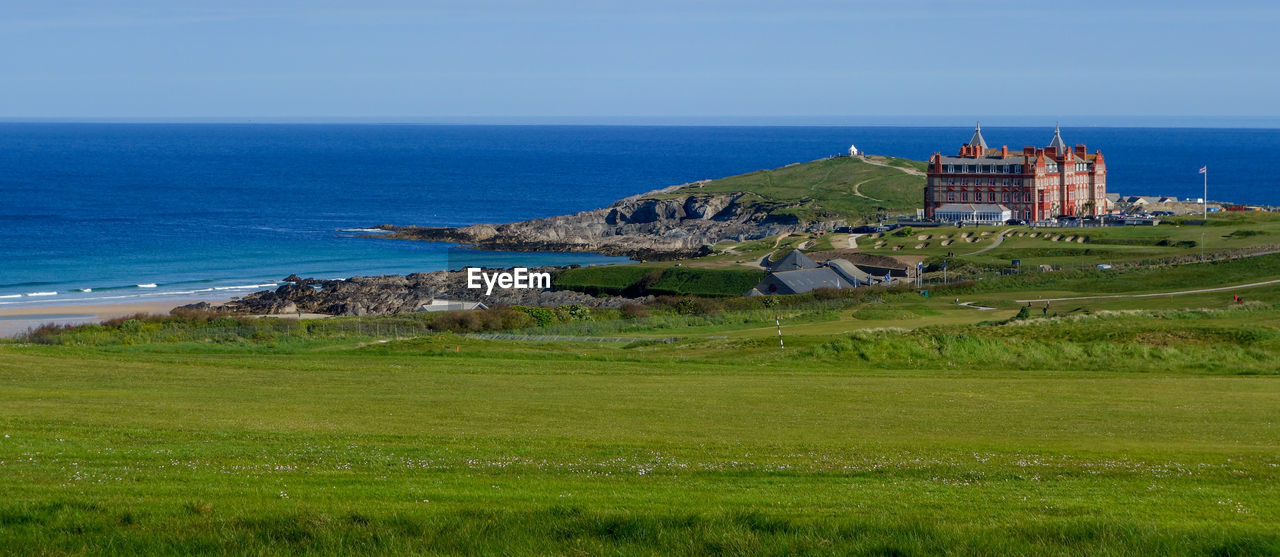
x=1204 y=169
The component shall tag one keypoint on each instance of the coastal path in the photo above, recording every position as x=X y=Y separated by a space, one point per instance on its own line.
x=999 y=238
x=1157 y=294
x=863 y=195
x=878 y=162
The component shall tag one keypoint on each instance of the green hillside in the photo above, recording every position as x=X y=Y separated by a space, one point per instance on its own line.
x=837 y=188
x=891 y=423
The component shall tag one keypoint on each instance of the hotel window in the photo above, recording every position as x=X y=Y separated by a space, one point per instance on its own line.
x=951 y=196
x=964 y=196
x=991 y=196
x=986 y=169
x=971 y=169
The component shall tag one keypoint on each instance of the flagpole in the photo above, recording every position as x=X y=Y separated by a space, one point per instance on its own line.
x=1205 y=200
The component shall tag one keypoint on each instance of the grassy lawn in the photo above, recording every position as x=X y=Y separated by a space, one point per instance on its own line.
x=837 y=188
x=892 y=423
x=1083 y=246
x=897 y=425
x=392 y=449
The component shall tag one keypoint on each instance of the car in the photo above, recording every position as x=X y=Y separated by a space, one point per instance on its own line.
x=1015 y=222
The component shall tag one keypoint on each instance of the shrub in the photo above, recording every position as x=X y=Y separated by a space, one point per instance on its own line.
x=634 y=311
x=542 y=317
x=457 y=322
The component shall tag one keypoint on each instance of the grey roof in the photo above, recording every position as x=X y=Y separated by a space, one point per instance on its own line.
x=1113 y=197
x=754 y=292
x=977 y=139
x=1057 y=140
x=803 y=280
x=851 y=272
x=793 y=261
x=970 y=208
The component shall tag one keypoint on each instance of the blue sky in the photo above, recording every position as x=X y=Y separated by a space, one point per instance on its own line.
x=386 y=60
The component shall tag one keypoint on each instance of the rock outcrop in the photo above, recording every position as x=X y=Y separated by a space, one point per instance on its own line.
x=389 y=294
x=657 y=225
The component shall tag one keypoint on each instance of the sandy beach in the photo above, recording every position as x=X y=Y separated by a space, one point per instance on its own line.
x=18 y=319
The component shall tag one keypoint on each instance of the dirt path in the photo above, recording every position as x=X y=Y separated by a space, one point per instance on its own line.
x=863 y=195
x=853 y=240
x=970 y=305
x=880 y=162
x=1157 y=294
x=999 y=238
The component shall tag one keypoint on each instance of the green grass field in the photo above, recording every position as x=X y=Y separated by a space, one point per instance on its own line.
x=836 y=188
x=892 y=424
x=1131 y=416
x=1084 y=246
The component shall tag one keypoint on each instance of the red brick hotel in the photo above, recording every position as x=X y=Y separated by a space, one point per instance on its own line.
x=1035 y=184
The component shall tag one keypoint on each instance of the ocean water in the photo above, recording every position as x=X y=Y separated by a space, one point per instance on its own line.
x=121 y=212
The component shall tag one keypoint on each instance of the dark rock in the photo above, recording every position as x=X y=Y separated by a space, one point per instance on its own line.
x=644 y=227
x=391 y=294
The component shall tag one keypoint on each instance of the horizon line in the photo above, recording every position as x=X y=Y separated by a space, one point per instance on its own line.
x=1007 y=121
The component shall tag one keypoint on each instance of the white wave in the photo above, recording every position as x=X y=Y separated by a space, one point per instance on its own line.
x=365 y=230
x=41 y=294
x=147 y=285
x=10 y=296
x=86 y=290
x=245 y=286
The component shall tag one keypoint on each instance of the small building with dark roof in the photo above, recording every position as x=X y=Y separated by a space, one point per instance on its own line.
x=793 y=261
x=801 y=281
x=837 y=273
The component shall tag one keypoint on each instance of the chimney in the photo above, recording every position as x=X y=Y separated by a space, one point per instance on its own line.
x=1028 y=151
x=1081 y=151
x=1004 y=151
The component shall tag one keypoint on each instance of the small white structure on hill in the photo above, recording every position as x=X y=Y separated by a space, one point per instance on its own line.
x=853 y=150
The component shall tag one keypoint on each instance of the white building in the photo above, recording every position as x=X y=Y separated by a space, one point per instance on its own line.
x=973 y=213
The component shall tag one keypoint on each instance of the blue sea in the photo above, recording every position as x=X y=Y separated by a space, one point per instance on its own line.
x=127 y=212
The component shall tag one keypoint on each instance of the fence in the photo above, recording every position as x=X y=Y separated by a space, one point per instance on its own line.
x=145 y=332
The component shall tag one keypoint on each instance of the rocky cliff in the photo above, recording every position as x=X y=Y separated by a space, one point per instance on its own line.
x=656 y=225
x=389 y=294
